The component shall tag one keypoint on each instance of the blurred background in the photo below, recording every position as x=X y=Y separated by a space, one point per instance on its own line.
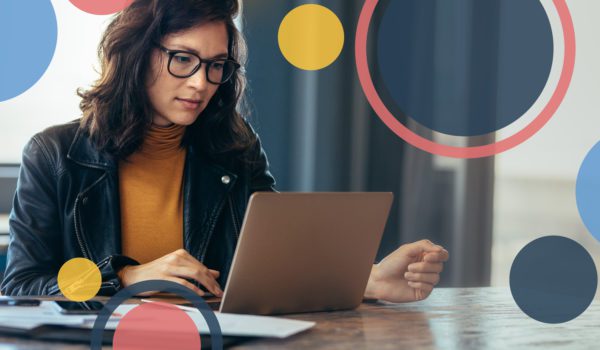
x=321 y=135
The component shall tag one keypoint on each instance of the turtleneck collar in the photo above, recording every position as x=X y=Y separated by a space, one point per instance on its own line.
x=162 y=142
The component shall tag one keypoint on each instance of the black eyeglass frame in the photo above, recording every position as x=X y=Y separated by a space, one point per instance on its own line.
x=172 y=54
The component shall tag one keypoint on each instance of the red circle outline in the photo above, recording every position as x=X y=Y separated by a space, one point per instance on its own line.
x=464 y=152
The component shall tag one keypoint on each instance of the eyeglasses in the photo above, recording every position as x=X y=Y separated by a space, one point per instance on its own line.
x=184 y=64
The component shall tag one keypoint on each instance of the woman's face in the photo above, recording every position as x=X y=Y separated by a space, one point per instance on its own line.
x=181 y=100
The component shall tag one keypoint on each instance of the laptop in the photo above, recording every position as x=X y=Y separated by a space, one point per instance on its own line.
x=305 y=252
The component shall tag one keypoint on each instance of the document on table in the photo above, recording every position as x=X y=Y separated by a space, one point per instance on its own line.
x=28 y=317
x=237 y=325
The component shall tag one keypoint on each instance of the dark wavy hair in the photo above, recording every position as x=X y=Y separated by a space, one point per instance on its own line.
x=117 y=111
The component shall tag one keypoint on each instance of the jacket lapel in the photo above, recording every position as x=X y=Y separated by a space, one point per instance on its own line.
x=96 y=209
x=206 y=187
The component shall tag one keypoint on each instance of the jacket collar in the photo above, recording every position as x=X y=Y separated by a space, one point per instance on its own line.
x=83 y=152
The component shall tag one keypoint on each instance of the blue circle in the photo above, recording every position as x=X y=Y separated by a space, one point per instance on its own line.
x=587 y=190
x=553 y=279
x=463 y=67
x=28 y=35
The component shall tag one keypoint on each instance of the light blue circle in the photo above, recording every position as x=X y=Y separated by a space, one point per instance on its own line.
x=588 y=191
x=28 y=32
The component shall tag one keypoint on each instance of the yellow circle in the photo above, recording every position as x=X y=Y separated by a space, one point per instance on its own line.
x=311 y=37
x=79 y=279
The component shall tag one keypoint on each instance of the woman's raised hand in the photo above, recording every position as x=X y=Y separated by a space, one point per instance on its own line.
x=408 y=274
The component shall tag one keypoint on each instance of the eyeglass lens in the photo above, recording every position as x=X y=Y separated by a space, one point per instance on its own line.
x=219 y=71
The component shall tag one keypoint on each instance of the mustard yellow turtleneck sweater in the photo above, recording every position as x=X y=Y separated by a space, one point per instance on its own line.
x=151 y=195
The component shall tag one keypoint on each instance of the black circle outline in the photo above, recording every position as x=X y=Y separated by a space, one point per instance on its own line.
x=216 y=336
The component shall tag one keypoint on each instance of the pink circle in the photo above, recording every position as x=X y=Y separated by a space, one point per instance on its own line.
x=101 y=7
x=154 y=326
x=463 y=152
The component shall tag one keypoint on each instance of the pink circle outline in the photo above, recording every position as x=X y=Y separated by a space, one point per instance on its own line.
x=464 y=152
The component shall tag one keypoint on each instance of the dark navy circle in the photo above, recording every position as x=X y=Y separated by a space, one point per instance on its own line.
x=553 y=279
x=587 y=189
x=28 y=34
x=216 y=336
x=463 y=67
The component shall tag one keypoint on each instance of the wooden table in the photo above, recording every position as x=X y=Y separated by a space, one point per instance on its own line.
x=462 y=318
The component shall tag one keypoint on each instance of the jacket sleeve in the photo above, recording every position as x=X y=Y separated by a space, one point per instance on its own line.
x=34 y=255
x=35 y=248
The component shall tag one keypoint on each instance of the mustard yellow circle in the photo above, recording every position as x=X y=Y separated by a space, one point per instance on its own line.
x=79 y=279
x=311 y=37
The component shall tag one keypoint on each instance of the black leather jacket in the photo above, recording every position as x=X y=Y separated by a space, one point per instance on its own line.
x=67 y=205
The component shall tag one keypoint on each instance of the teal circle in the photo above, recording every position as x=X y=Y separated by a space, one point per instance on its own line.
x=28 y=32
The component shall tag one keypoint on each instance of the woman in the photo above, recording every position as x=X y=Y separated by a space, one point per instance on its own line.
x=153 y=180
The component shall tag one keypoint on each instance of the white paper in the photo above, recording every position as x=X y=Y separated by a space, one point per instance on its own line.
x=238 y=325
x=28 y=317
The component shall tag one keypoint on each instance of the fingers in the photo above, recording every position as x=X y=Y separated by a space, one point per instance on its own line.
x=439 y=256
x=430 y=278
x=181 y=264
x=426 y=267
x=428 y=246
x=422 y=289
x=200 y=274
x=185 y=256
x=424 y=275
x=187 y=284
x=425 y=287
x=208 y=281
x=424 y=245
x=207 y=278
